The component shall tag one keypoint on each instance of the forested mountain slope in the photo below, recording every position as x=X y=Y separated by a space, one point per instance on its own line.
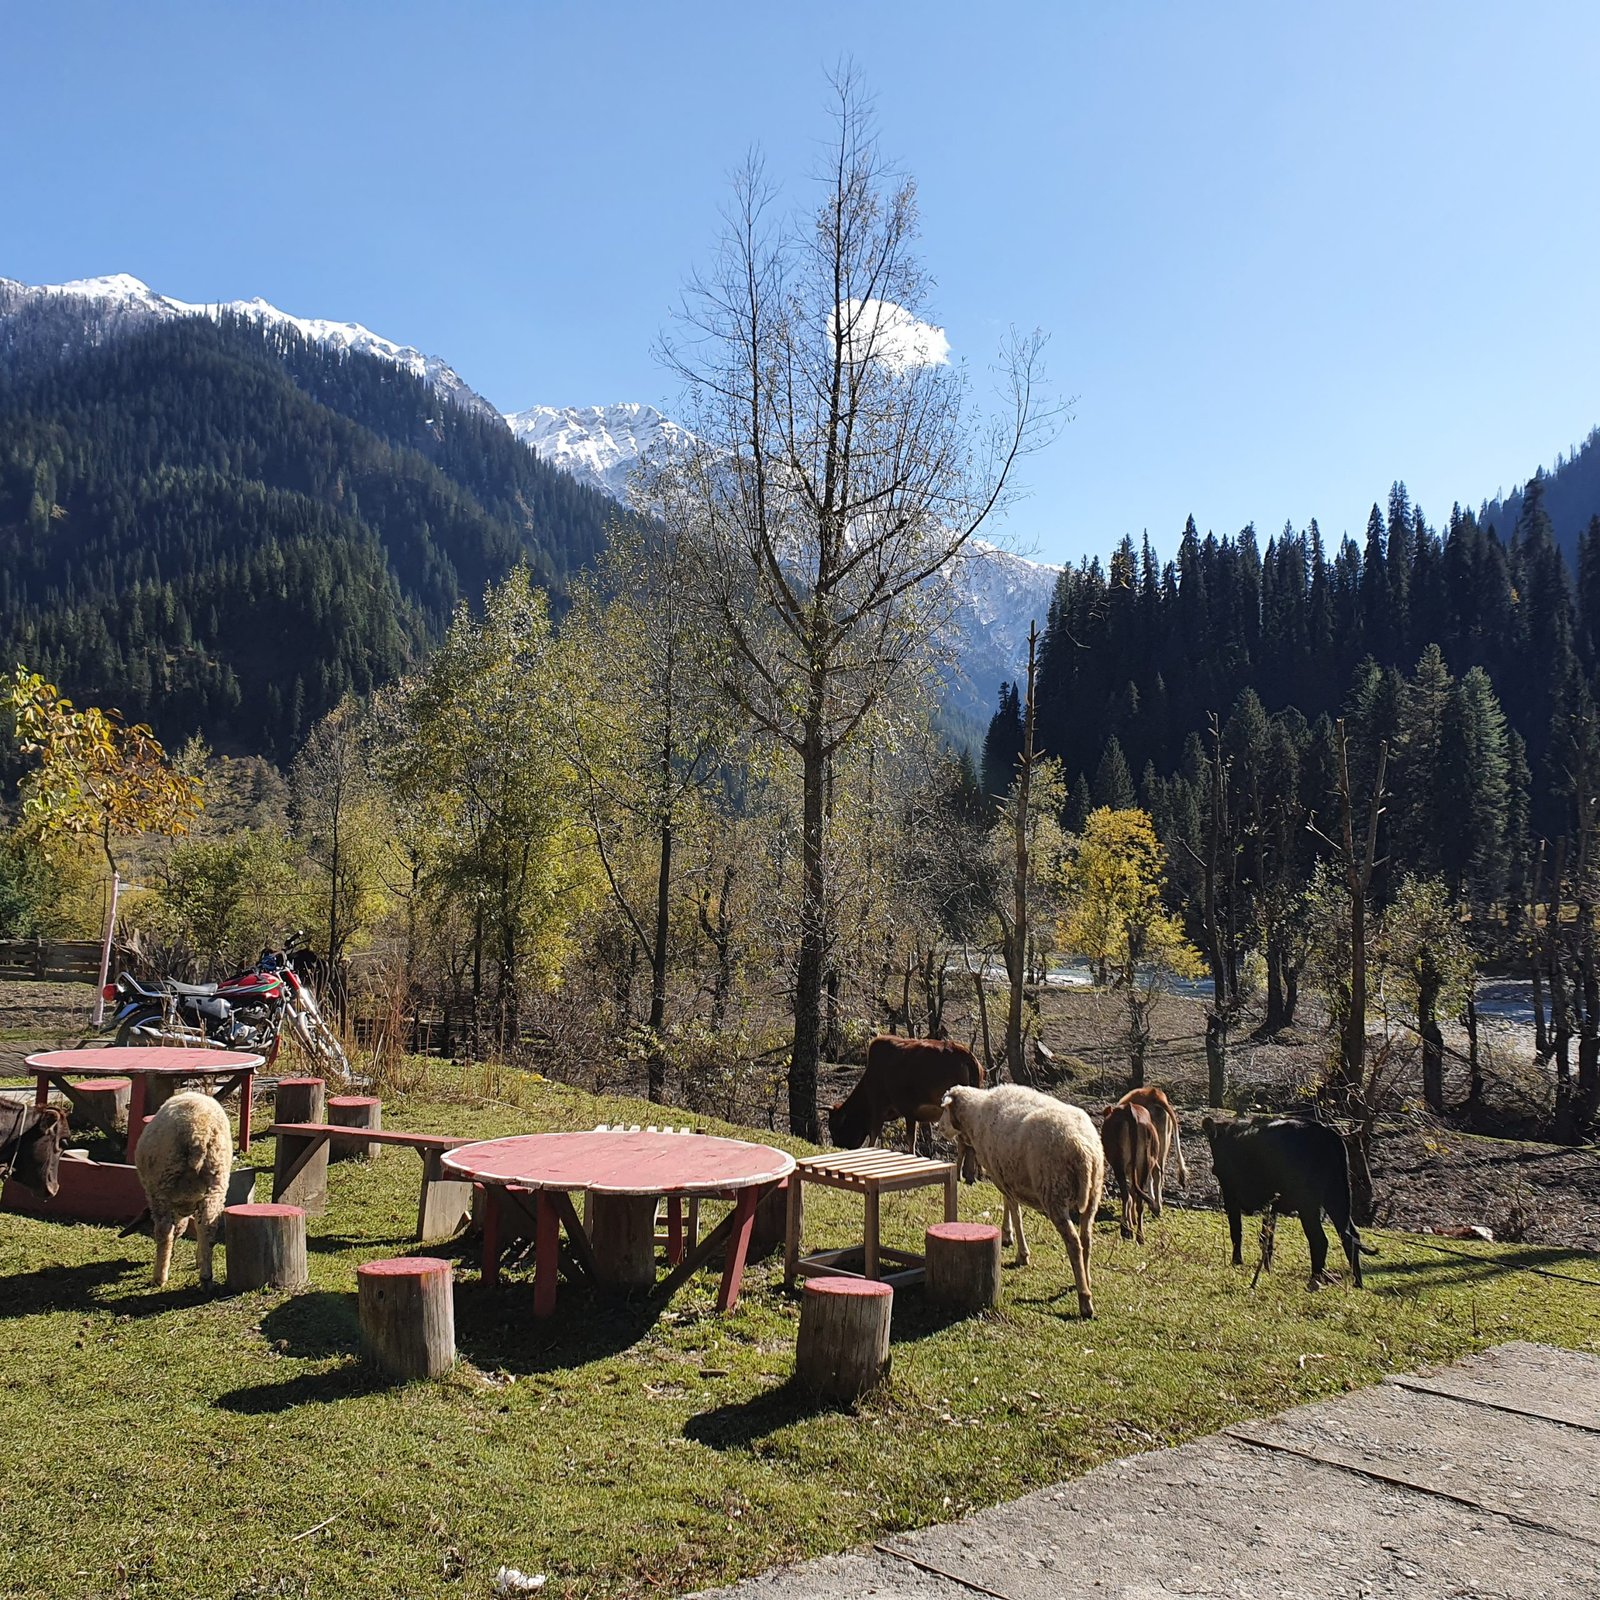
x=220 y=525
x=1570 y=493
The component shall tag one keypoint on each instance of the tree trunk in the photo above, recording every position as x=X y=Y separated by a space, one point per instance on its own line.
x=983 y=1023
x=657 y=1065
x=1216 y=1058
x=1274 y=1021
x=1475 y=1066
x=1432 y=1047
x=806 y=1054
x=1016 y=943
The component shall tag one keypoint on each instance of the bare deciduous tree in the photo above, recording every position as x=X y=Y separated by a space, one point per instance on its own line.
x=834 y=471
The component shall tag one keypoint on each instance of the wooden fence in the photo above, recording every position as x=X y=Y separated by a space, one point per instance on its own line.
x=51 y=961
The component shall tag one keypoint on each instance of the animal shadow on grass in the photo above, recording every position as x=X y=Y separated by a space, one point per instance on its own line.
x=311 y=1388
x=77 y=1289
x=740 y=1424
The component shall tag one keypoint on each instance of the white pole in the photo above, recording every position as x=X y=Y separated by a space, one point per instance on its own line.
x=105 y=951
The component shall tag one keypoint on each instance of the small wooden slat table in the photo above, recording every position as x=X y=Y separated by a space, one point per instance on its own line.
x=871 y=1174
x=643 y=1166
x=227 y=1069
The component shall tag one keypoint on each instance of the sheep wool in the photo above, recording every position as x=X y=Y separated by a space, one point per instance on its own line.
x=184 y=1156
x=1039 y=1152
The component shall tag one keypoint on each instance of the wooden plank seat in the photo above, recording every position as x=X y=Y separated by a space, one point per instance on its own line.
x=871 y=1173
x=442 y=1207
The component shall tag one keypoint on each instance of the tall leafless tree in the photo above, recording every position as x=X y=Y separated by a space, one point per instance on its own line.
x=835 y=471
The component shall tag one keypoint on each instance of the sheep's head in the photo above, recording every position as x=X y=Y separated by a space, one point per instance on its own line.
x=950 y=1127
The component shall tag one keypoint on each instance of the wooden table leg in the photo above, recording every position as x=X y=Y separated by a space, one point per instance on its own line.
x=546 y=1254
x=244 y=1110
x=674 y=1229
x=869 y=1248
x=791 y=1241
x=491 y=1234
x=744 y=1220
x=950 y=1197
x=41 y=1093
x=136 y=1103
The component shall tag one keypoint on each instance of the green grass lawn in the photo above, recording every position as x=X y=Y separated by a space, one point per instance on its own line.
x=175 y=1444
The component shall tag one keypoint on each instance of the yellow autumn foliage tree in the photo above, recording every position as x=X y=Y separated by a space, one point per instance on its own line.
x=1117 y=918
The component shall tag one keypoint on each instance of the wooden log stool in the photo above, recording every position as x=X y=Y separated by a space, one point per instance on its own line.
x=103 y=1103
x=300 y=1100
x=843 y=1347
x=354 y=1111
x=963 y=1265
x=266 y=1246
x=407 y=1311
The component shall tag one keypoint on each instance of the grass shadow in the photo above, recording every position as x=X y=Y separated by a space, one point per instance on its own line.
x=918 y=1316
x=743 y=1423
x=497 y=1331
x=314 y=1325
x=344 y=1382
x=51 y=1289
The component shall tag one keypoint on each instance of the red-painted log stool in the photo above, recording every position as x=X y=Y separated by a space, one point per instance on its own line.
x=300 y=1100
x=407 y=1312
x=354 y=1111
x=266 y=1246
x=843 y=1348
x=103 y=1103
x=963 y=1264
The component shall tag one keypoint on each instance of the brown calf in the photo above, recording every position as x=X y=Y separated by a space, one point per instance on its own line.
x=1166 y=1121
x=904 y=1078
x=1133 y=1152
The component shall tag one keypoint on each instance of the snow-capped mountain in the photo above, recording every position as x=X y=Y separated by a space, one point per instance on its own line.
x=998 y=593
x=599 y=445
x=121 y=299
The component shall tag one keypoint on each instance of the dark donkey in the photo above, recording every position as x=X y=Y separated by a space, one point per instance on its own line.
x=31 y=1138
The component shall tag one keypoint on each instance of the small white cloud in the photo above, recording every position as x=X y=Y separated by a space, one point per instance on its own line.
x=879 y=330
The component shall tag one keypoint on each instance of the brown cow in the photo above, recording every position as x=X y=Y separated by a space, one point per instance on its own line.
x=31 y=1138
x=1133 y=1152
x=1166 y=1121
x=904 y=1078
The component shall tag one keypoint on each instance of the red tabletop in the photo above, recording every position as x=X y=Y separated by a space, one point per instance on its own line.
x=120 y=1060
x=140 y=1063
x=621 y=1163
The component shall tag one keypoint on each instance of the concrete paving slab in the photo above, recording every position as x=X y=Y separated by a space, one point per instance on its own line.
x=1393 y=1493
x=1218 y=1519
x=1560 y=1385
x=1522 y=1467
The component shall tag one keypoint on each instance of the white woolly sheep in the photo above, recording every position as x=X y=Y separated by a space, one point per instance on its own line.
x=1038 y=1152
x=184 y=1156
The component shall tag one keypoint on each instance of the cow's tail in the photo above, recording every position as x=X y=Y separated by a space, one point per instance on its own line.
x=1177 y=1149
x=1338 y=1208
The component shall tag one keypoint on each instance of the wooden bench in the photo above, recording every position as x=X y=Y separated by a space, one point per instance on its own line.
x=444 y=1204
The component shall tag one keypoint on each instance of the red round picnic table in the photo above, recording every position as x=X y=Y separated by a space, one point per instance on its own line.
x=619 y=1167
x=228 y=1069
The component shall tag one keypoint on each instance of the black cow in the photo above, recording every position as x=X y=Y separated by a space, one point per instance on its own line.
x=31 y=1138
x=1283 y=1165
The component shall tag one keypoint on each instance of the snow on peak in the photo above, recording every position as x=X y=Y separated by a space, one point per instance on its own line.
x=598 y=445
x=121 y=295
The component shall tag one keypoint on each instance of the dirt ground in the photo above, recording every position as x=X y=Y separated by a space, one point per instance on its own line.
x=1426 y=1174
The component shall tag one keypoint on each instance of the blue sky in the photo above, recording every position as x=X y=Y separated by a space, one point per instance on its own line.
x=1285 y=254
